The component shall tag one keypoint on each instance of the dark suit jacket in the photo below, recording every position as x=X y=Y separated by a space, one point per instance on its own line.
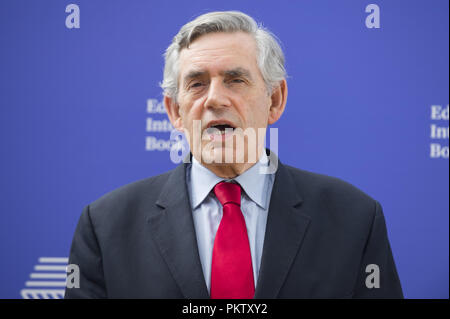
x=139 y=242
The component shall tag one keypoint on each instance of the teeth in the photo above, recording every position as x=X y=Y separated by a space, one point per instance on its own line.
x=212 y=130
x=217 y=131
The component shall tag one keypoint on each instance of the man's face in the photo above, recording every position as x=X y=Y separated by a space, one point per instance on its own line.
x=220 y=83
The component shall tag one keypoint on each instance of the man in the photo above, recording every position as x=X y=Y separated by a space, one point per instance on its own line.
x=226 y=224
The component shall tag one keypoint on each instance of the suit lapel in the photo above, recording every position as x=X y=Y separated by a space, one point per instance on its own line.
x=172 y=228
x=285 y=230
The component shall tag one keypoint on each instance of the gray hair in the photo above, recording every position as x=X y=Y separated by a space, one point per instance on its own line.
x=270 y=57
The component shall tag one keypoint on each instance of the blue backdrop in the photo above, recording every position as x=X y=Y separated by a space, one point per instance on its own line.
x=362 y=104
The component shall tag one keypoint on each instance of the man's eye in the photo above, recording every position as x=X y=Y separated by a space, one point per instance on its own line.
x=237 y=81
x=196 y=84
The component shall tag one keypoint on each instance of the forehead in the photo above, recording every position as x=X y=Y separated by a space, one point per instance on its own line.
x=217 y=52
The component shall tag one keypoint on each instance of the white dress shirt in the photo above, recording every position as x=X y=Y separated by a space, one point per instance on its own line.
x=207 y=210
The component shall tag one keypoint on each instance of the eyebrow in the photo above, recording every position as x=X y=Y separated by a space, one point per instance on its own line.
x=236 y=72
x=192 y=75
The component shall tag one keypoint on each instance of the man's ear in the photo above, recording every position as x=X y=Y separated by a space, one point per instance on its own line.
x=278 y=98
x=173 y=111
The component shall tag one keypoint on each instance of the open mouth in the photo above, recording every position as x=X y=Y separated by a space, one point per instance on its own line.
x=219 y=128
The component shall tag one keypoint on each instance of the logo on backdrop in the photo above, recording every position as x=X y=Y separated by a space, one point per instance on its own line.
x=439 y=132
x=73 y=19
x=373 y=19
x=50 y=277
x=158 y=128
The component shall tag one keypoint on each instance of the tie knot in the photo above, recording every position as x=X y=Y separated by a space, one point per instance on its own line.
x=228 y=193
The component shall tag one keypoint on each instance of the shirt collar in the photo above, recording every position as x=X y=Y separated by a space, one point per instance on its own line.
x=252 y=182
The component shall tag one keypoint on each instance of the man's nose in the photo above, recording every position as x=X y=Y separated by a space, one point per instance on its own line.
x=217 y=95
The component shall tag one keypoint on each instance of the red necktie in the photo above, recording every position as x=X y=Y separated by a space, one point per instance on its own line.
x=231 y=271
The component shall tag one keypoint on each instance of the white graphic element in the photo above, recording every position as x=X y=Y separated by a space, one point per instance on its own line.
x=440 y=113
x=48 y=276
x=439 y=151
x=53 y=268
x=373 y=19
x=41 y=285
x=73 y=19
x=373 y=279
x=155 y=106
x=180 y=148
x=159 y=124
x=63 y=260
x=439 y=132
x=154 y=144
x=73 y=276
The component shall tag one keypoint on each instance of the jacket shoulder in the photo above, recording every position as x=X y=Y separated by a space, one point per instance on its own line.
x=130 y=197
x=332 y=192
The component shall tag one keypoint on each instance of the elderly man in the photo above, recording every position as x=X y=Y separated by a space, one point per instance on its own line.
x=231 y=221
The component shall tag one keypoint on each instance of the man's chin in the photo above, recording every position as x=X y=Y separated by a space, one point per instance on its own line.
x=221 y=156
